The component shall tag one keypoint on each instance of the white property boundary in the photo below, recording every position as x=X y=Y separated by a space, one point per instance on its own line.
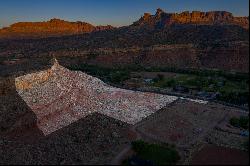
x=83 y=95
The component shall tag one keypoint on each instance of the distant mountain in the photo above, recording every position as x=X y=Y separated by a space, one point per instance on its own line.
x=162 y=19
x=185 y=40
x=53 y=27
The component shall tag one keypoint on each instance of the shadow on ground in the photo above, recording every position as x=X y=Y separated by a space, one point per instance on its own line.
x=17 y=121
x=95 y=139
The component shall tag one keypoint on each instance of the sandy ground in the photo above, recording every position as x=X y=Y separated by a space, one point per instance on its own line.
x=211 y=155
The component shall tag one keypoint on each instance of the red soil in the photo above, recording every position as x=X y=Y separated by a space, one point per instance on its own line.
x=212 y=154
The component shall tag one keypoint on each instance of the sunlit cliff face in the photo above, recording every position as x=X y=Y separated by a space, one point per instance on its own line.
x=163 y=19
x=60 y=97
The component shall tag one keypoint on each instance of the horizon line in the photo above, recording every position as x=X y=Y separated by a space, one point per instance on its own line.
x=114 y=25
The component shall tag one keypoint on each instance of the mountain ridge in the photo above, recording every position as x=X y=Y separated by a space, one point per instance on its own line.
x=149 y=42
x=161 y=19
x=53 y=27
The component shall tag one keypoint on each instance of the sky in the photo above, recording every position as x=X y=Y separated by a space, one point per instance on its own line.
x=103 y=12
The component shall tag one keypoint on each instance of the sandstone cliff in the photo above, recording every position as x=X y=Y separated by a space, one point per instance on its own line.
x=53 y=27
x=162 y=19
x=186 y=40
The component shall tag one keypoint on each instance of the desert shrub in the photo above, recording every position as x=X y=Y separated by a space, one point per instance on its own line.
x=119 y=76
x=92 y=56
x=160 y=76
x=237 y=98
x=170 y=83
x=246 y=144
x=242 y=122
x=159 y=154
x=115 y=75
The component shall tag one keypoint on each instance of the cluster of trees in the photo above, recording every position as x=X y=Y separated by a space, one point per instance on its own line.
x=116 y=76
x=242 y=122
x=233 y=89
x=153 y=154
x=237 y=98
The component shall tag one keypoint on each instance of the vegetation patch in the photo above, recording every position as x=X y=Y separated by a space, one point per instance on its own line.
x=153 y=154
x=242 y=122
x=115 y=75
x=232 y=87
x=231 y=91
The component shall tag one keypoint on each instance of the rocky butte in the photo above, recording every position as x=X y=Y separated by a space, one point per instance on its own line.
x=163 y=19
x=53 y=27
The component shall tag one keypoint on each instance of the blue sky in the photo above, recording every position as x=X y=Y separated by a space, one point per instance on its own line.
x=103 y=12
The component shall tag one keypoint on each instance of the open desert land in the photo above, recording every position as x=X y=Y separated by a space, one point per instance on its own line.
x=163 y=89
x=58 y=116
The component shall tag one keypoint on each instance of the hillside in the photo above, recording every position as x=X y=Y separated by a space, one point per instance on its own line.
x=176 y=86
x=210 y=40
x=60 y=97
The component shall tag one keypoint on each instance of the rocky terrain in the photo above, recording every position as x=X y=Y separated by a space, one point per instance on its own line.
x=58 y=116
x=50 y=114
x=60 y=97
x=200 y=40
x=162 y=19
